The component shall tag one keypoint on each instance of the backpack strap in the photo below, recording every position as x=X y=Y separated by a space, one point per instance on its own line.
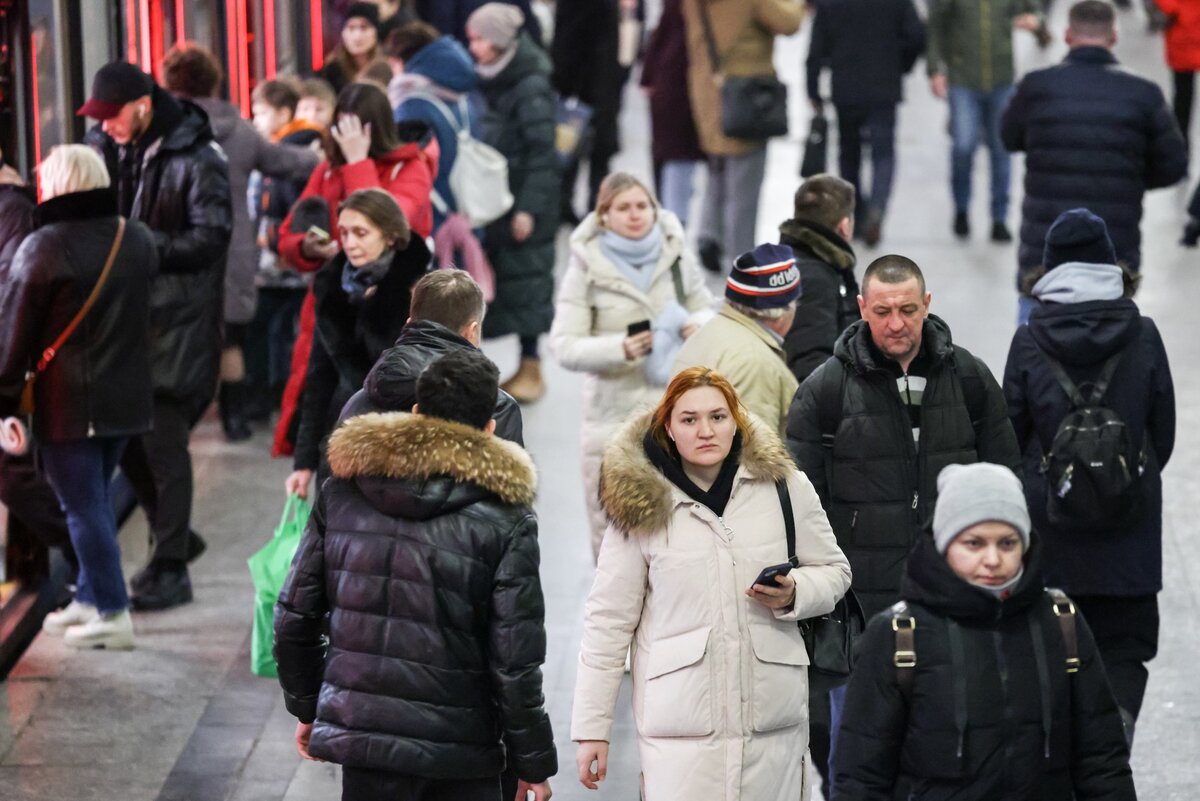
x=1064 y=610
x=974 y=395
x=441 y=107
x=789 y=520
x=677 y=280
x=829 y=407
x=1098 y=387
x=905 y=657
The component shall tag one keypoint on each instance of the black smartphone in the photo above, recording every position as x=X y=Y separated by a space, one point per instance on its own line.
x=639 y=327
x=766 y=576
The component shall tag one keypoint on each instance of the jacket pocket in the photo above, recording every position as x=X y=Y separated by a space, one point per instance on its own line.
x=779 y=677
x=677 y=698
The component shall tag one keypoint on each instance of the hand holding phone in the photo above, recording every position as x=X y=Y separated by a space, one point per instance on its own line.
x=639 y=341
x=766 y=576
x=321 y=235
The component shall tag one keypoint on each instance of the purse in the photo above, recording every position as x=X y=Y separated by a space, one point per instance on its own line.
x=828 y=638
x=26 y=405
x=816 y=153
x=752 y=106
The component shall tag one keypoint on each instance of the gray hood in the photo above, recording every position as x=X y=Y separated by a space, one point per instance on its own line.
x=1078 y=282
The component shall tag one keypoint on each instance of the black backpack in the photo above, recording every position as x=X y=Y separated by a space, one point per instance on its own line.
x=1092 y=468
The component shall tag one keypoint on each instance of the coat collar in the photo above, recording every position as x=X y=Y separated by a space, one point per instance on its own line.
x=853 y=345
x=585 y=244
x=639 y=500
x=399 y=445
x=753 y=326
x=818 y=240
x=90 y=205
x=1091 y=55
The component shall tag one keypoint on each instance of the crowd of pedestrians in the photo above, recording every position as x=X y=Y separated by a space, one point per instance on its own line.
x=818 y=419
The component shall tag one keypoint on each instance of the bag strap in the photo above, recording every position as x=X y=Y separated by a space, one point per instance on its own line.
x=677 y=280
x=1099 y=386
x=709 y=38
x=438 y=104
x=969 y=380
x=1064 y=610
x=789 y=520
x=829 y=407
x=905 y=657
x=49 y=353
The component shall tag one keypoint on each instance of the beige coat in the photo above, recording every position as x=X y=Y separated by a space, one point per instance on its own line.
x=740 y=349
x=596 y=304
x=745 y=33
x=720 y=687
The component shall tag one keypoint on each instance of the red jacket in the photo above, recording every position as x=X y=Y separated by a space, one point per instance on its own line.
x=407 y=173
x=1183 y=34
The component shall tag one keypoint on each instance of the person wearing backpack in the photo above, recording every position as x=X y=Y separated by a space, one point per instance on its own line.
x=980 y=684
x=1087 y=326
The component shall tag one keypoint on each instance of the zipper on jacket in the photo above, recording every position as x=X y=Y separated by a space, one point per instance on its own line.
x=916 y=498
x=1009 y=728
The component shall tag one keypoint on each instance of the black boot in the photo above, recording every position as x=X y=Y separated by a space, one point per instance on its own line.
x=710 y=255
x=230 y=403
x=165 y=584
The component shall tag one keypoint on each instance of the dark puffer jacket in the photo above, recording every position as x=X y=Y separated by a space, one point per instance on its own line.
x=1125 y=560
x=184 y=197
x=877 y=487
x=1095 y=136
x=520 y=123
x=844 y=30
x=996 y=716
x=391 y=386
x=347 y=339
x=828 y=294
x=16 y=221
x=429 y=578
x=98 y=384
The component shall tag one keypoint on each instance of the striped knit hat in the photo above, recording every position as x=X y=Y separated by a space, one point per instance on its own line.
x=765 y=278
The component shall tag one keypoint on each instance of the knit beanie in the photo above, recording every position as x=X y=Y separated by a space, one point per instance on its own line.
x=1078 y=235
x=364 y=11
x=978 y=493
x=765 y=278
x=499 y=23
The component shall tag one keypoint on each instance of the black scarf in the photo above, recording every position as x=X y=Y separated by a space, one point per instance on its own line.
x=671 y=466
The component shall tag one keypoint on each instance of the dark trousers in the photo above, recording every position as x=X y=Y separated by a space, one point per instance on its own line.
x=1185 y=92
x=1126 y=632
x=875 y=125
x=159 y=467
x=268 y=345
x=362 y=784
x=31 y=500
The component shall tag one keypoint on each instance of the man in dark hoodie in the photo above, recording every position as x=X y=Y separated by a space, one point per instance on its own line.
x=819 y=234
x=430 y=690
x=170 y=174
x=445 y=315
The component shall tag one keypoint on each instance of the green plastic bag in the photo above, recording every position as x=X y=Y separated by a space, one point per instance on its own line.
x=269 y=568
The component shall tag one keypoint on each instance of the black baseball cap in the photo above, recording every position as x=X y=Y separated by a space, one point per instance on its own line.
x=115 y=85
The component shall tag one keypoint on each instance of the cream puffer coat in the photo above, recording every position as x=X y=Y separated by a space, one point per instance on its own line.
x=596 y=304
x=720 y=683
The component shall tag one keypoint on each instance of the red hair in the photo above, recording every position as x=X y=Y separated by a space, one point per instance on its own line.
x=689 y=379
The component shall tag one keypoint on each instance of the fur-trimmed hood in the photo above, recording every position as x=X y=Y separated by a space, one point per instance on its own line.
x=639 y=499
x=416 y=448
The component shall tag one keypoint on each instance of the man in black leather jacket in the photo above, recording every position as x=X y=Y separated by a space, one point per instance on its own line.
x=410 y=632
x=445 y=315
x=170 y=174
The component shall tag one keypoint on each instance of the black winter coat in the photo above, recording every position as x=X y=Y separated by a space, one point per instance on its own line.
x=426 y=582
x=184 y=197
x=1095 y=136
x=876 y=486
x=828 y=294
x=16 y=221
x=997 y=717
x=520 y=123
x=347 y=339
x=391 y=386
x=1127 y=559
x=869 y=45
x=664 y=71
x=98 y=384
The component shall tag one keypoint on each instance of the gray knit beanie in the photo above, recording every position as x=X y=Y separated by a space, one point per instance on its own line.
x=977 y=493
x=499 y=23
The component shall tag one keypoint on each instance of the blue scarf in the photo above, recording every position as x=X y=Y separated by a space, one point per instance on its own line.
x=635 y=258
x=359 y=282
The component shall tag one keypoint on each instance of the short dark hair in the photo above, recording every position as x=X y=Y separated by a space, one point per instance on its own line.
x=1092 y=18
x=381 y=209
x=410 y=39
x=825 y=200
x=277 y=94
x=450 y=297
x=369 y=103
x=892 y=269
x=191 y=71
x=460 y=386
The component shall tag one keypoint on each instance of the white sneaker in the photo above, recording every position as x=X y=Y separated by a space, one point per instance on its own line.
x=111 y=631
x=73 y=614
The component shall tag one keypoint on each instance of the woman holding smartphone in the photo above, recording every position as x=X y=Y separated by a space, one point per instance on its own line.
x=362 y=297
x=694 y=494
x=631 y=294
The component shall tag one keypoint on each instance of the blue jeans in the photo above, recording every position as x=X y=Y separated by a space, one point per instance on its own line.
x=676 y=179
x=877 y=125
x=974 y=115
x=837 y=703
x=80 y=471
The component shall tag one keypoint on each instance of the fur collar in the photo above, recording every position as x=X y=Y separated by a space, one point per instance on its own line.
x=638 y=499
x=411 y=446
x=822 y=242
x=74 y=206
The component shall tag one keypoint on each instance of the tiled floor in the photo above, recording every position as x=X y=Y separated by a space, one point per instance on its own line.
x=181 y=718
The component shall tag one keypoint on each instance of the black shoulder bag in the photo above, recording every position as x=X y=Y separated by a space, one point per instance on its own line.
x=828 y=638
x=752 y=106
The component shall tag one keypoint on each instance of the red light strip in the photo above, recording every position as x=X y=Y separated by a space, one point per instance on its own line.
x=244 y=57
x=180 y=34
x=145 y=49
x=231 y=23
x=269 y=37
x=131 y=54
x=157 y=37
x=37 y=125
x=317 y=32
